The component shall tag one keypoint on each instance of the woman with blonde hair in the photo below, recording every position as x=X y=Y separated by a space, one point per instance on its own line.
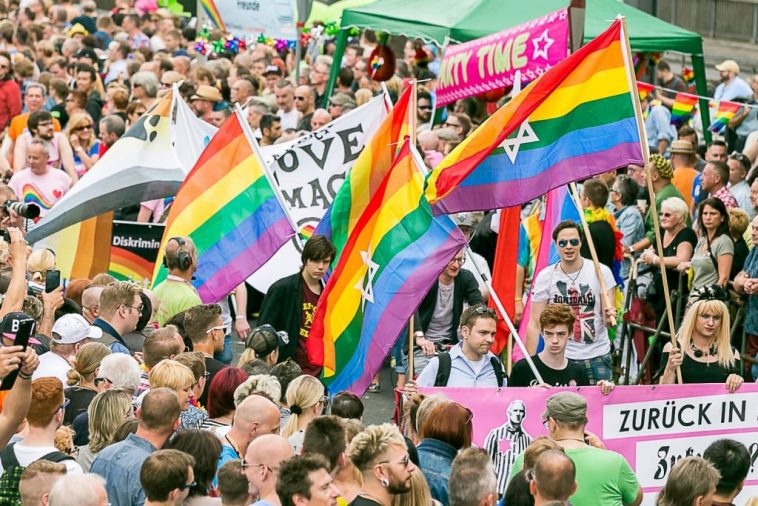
x=262 y=343
x=80 y=131
x=40 y=261
x=107 y=411
x=305 y=397
x=692 y=482
x=81 y=379
x=704 y=352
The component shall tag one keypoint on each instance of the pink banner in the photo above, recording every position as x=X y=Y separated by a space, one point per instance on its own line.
x=490 y=63
x=651 y=426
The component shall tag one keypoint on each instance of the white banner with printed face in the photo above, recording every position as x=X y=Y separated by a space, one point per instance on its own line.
x=309 y=170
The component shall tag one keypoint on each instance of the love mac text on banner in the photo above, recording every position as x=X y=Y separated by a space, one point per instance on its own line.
x=489 y=63
x=134 y=249
x=651 y=426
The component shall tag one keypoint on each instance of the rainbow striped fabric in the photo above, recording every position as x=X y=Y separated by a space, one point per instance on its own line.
x=367 y=173
x=681 y=111
x=644 y=89
x=394 y=255
x=83 y=249
x=573 y=122
x=229 y=209
x=211 y=11
x=724 y=113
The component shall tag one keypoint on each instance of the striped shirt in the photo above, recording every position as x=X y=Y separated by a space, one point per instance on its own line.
x=504 y=444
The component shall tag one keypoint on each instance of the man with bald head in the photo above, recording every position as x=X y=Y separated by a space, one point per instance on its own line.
x=320 y=118
x=255 y=416
x=304 y=105
x=91 y=302
x=181 y=65
x=176 y=293
x=241 y=90
x=261 y=463
x=554 y=478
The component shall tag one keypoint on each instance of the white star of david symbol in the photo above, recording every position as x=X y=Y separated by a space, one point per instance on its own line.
x=366 y=285
x=525 y=135
x=542 y=44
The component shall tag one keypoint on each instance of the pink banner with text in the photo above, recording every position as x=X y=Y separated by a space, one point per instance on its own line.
x=651 y=426
x=490 y=63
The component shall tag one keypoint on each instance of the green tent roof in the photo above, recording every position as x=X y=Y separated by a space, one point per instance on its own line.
x=463 y=20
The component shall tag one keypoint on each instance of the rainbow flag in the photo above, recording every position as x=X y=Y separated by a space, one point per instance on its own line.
x=367 y=173
x=644 y=89
x=681 y=111
x=82 y=249
x=725 y=112
x=210 y=9
x=228 y=207
x=575 y=121
x=393 y=256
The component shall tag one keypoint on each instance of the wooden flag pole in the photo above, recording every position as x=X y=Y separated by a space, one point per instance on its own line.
x=651 y=191
x=411 y=344
x=593 y=252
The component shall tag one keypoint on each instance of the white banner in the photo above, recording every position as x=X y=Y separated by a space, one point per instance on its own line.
x=309 y=171
x=248 y=18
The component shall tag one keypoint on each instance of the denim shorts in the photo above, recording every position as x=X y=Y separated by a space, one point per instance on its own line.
x=597 y=368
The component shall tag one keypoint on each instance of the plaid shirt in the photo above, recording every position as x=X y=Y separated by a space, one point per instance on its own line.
x=725 y=196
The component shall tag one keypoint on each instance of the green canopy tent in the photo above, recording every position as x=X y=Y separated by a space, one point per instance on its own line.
x=464 y=20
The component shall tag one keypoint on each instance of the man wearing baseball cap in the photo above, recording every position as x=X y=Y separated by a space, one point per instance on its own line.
x=70 y=333
x=264 y=342
x=272 y=74
x=732 y=85
x=604 y=477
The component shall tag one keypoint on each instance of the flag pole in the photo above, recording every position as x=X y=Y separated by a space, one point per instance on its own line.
x=651 y=191
x=593 y=252
x=412 y=134
x=269 y=176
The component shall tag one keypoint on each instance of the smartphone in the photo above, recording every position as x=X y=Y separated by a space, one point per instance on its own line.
x=25 y=331
x=52 y=280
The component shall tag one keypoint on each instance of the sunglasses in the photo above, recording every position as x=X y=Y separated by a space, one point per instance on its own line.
x=478 y=311
x=424 y=108
x=97 y=381
x=187 y=485
x=666 y=215
x=299 y=98
x=83 y=127
x=220 y=327
x=66 y=402
x=403 y=462
x=563 y=242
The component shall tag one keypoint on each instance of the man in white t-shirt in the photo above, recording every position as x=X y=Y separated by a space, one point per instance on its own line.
x=39 y=184
x=573 y=281
x=44 y=417
x=285 y=100
x=70 y=332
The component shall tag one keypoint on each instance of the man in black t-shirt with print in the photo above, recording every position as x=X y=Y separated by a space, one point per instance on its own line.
x=556 y=324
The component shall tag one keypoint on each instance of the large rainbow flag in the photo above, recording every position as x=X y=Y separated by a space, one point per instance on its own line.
x=228 y=207
x=391 y=259
x=577 y=120
x=724 y=113
x=367 y=173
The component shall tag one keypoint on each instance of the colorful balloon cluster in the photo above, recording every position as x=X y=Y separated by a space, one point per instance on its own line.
x=233 y=45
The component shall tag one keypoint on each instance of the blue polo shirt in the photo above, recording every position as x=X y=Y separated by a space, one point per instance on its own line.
x=463 y=372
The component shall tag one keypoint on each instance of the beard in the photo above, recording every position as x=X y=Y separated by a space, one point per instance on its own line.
x=399 y=487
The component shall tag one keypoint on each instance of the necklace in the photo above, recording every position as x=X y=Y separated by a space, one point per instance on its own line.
x=712 y=350
x=578 y=272
x=572 y=439
x=234 y=447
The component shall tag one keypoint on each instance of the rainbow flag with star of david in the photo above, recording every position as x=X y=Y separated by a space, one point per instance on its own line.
x=575 y=121
x=391 y=259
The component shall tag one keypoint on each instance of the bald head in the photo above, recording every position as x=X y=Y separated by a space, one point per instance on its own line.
x=269 y=449
x=256 y=416
x=428 y=140
x=91 y=295
x=320 y=118
x=554 y=476
x=174 y=248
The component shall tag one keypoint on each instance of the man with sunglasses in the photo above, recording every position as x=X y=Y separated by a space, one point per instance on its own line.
x=261 y=466
x=303 y=100
x=120 y=310
x=469 y=363
x=166 y=477
x=205 y=328
x=573 y=281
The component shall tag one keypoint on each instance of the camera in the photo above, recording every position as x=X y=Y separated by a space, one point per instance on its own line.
x=23 y=209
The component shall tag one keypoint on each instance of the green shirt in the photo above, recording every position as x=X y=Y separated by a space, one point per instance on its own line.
x=603 y=477
x=664 y=193
x=173 y=298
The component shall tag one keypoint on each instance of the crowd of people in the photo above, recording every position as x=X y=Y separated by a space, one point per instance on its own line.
x=128 y=396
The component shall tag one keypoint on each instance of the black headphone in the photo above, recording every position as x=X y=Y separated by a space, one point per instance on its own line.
x=183 y=260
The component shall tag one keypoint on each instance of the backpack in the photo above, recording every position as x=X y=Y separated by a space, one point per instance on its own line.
x=12 y=470
x=443 y=371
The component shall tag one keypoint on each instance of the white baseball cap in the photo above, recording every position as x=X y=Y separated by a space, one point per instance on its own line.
x=73 y=328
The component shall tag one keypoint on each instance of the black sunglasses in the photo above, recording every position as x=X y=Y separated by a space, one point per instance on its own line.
x=563 y=242
x=187 y=485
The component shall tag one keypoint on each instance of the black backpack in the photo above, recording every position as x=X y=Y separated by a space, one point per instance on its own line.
x=9 y=494
x=443 y=371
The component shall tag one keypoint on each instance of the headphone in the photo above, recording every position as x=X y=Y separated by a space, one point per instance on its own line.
x=182 y=259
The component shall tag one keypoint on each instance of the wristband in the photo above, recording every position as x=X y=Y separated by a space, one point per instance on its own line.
x=241 y=317
x=518 y=299
x=24 y=376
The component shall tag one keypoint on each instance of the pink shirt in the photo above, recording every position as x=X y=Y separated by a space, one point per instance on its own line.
x=43 y=190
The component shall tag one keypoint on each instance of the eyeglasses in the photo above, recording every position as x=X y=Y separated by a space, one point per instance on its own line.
x=666 y=215
x=425 y=108
x=244 y=465
x=299 y=98
x=187 y=485
x=461 y=260
x=92 y=308
x=403 y=462
x=139 y=308
x=564 y=242
x=97 y=381
x=324 y=400
x=66 y=402
x=544 y=421
x=83 y=127
x=220 y=327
